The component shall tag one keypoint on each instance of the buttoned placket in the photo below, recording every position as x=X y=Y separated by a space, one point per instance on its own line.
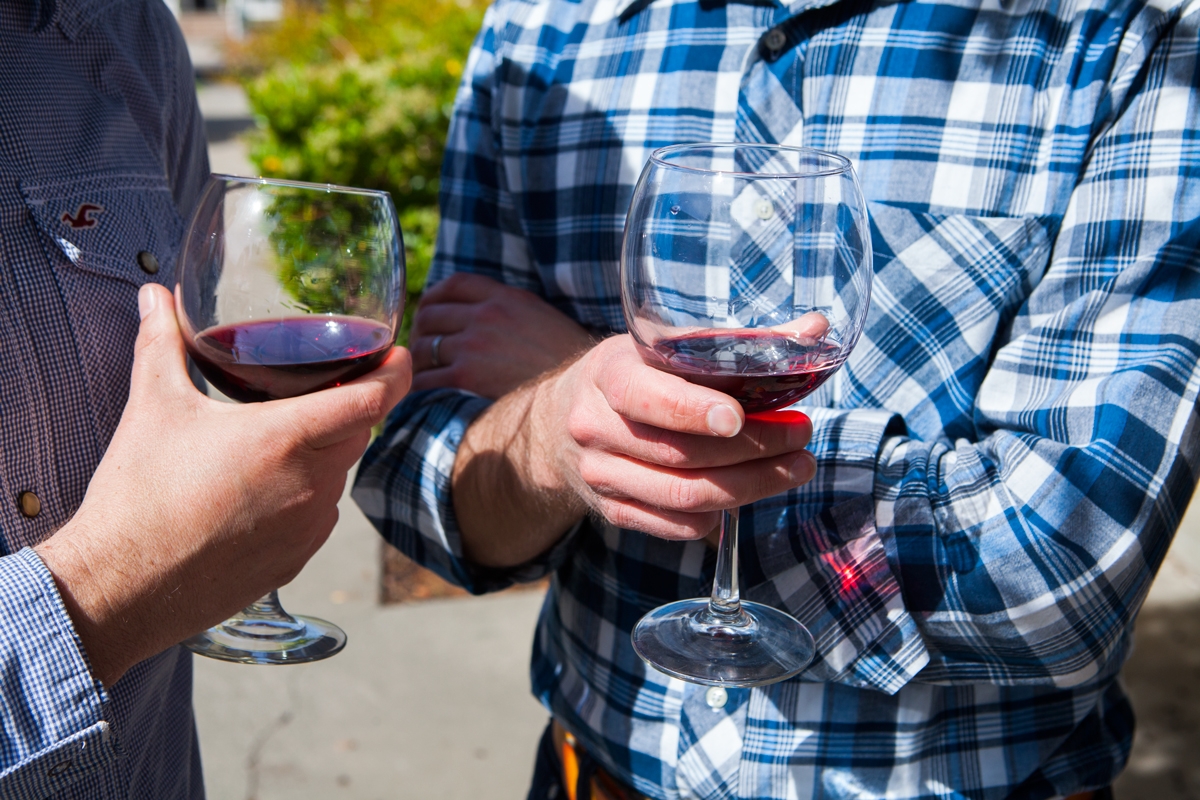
x=712 y=715
x=770 y=92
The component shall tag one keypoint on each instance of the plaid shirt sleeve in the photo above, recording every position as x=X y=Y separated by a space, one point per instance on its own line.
x=403 y=482
x=1019 y=556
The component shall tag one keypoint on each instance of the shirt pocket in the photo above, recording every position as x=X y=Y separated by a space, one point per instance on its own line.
x=945 y=290
x=105 y=235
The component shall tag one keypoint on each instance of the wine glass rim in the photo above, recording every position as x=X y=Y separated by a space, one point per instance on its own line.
x=660 y=156
x=331 y=188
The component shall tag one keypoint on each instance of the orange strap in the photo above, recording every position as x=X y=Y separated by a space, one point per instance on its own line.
x=570 y=765
x=602 y=785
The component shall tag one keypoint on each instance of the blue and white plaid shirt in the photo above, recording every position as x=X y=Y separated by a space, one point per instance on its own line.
x=1003 y=460
x=101 y=156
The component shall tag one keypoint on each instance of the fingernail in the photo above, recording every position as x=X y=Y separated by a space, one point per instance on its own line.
x=801 y=469
x=723 y=421
x=147 y=300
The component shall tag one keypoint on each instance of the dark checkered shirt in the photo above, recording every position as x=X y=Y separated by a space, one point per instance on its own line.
x=101 y=154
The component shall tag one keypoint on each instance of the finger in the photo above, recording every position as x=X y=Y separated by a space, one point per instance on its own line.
x=339 y=457
x=461 y=287
x=159 y=360
x=694 y=491
x=807 y=327
x=423 y=354
x=443 y=318
x=427 y=379
x=760 y=438
x=643 y=394
x=669 y=525
x=332 y=415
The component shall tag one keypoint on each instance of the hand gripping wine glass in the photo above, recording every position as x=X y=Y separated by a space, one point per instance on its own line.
x=286 y=288
x=747 y=269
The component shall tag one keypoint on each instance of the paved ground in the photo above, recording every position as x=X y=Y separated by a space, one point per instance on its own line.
x=431 y=700
x=1163 y=677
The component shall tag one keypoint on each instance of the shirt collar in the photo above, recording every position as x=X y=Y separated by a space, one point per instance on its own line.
x=71 y=16
x=627 y=9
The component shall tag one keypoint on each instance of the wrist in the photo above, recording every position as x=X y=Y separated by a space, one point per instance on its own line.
x=547 y=447
x=510 y=497
x=84 y=596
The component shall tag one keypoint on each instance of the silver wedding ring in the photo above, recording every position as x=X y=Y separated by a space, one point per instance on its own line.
x=434 y=347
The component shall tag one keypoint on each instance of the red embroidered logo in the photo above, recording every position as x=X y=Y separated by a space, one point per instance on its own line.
x=83 y=216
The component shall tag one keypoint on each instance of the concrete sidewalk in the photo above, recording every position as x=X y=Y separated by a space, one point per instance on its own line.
x=429 y=700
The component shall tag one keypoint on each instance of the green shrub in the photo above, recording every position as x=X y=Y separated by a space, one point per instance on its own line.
x=360 y=94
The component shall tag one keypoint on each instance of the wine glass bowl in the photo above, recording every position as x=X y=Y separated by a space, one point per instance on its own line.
x=745 y=268
x=286 y=288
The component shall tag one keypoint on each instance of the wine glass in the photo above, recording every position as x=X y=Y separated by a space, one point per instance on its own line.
x=745 y=268
x=286 y=288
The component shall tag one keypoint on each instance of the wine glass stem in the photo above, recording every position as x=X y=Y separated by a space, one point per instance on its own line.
x=726 y=603
x=268 y=609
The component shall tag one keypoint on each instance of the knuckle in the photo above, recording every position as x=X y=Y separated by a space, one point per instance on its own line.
x=772 y=479
x=456 y=279
x=491 y=313
x=616 y=386
x=619 y=514
x=592 y=473
x=680 y=406
x=665 y=449
x=684 y=495
x=371 y=404
x=146 y=341
x=582 y=427
x=454 y=376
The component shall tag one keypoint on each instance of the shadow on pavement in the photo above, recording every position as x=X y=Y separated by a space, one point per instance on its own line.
x=1163 y=679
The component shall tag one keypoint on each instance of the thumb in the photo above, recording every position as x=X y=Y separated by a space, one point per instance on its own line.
x=333 y=415
x=159 y=359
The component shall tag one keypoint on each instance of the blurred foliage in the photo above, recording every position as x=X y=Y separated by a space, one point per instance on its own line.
x=335 y=251
x=359 y=93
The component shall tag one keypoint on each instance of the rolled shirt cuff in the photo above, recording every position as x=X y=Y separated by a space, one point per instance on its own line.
x=53 y=712
x=832 y=571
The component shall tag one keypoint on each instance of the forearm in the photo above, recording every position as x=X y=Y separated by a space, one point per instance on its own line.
x=510 y=502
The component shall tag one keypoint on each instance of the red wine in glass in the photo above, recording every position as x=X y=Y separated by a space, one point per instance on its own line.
x=286 y=288
x=762 y=369
x=745 y=268
x=269 y=359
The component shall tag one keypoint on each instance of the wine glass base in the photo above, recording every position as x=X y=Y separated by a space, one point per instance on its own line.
x=767 y=646
x=308 y=640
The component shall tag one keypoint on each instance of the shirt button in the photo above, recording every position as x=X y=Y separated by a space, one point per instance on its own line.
x=147 y=262
x=29 y=504
x=716 y=697
x=764 y=209
x=59 y=768
x=775 y=40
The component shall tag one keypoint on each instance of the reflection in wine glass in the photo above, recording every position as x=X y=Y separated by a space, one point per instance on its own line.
x=286 y=288
x=746 y=269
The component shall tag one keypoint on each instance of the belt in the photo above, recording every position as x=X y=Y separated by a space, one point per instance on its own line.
x=585 y=779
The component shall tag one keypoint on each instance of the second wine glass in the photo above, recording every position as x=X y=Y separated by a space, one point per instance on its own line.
x=745 y=268
x=286 y=288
